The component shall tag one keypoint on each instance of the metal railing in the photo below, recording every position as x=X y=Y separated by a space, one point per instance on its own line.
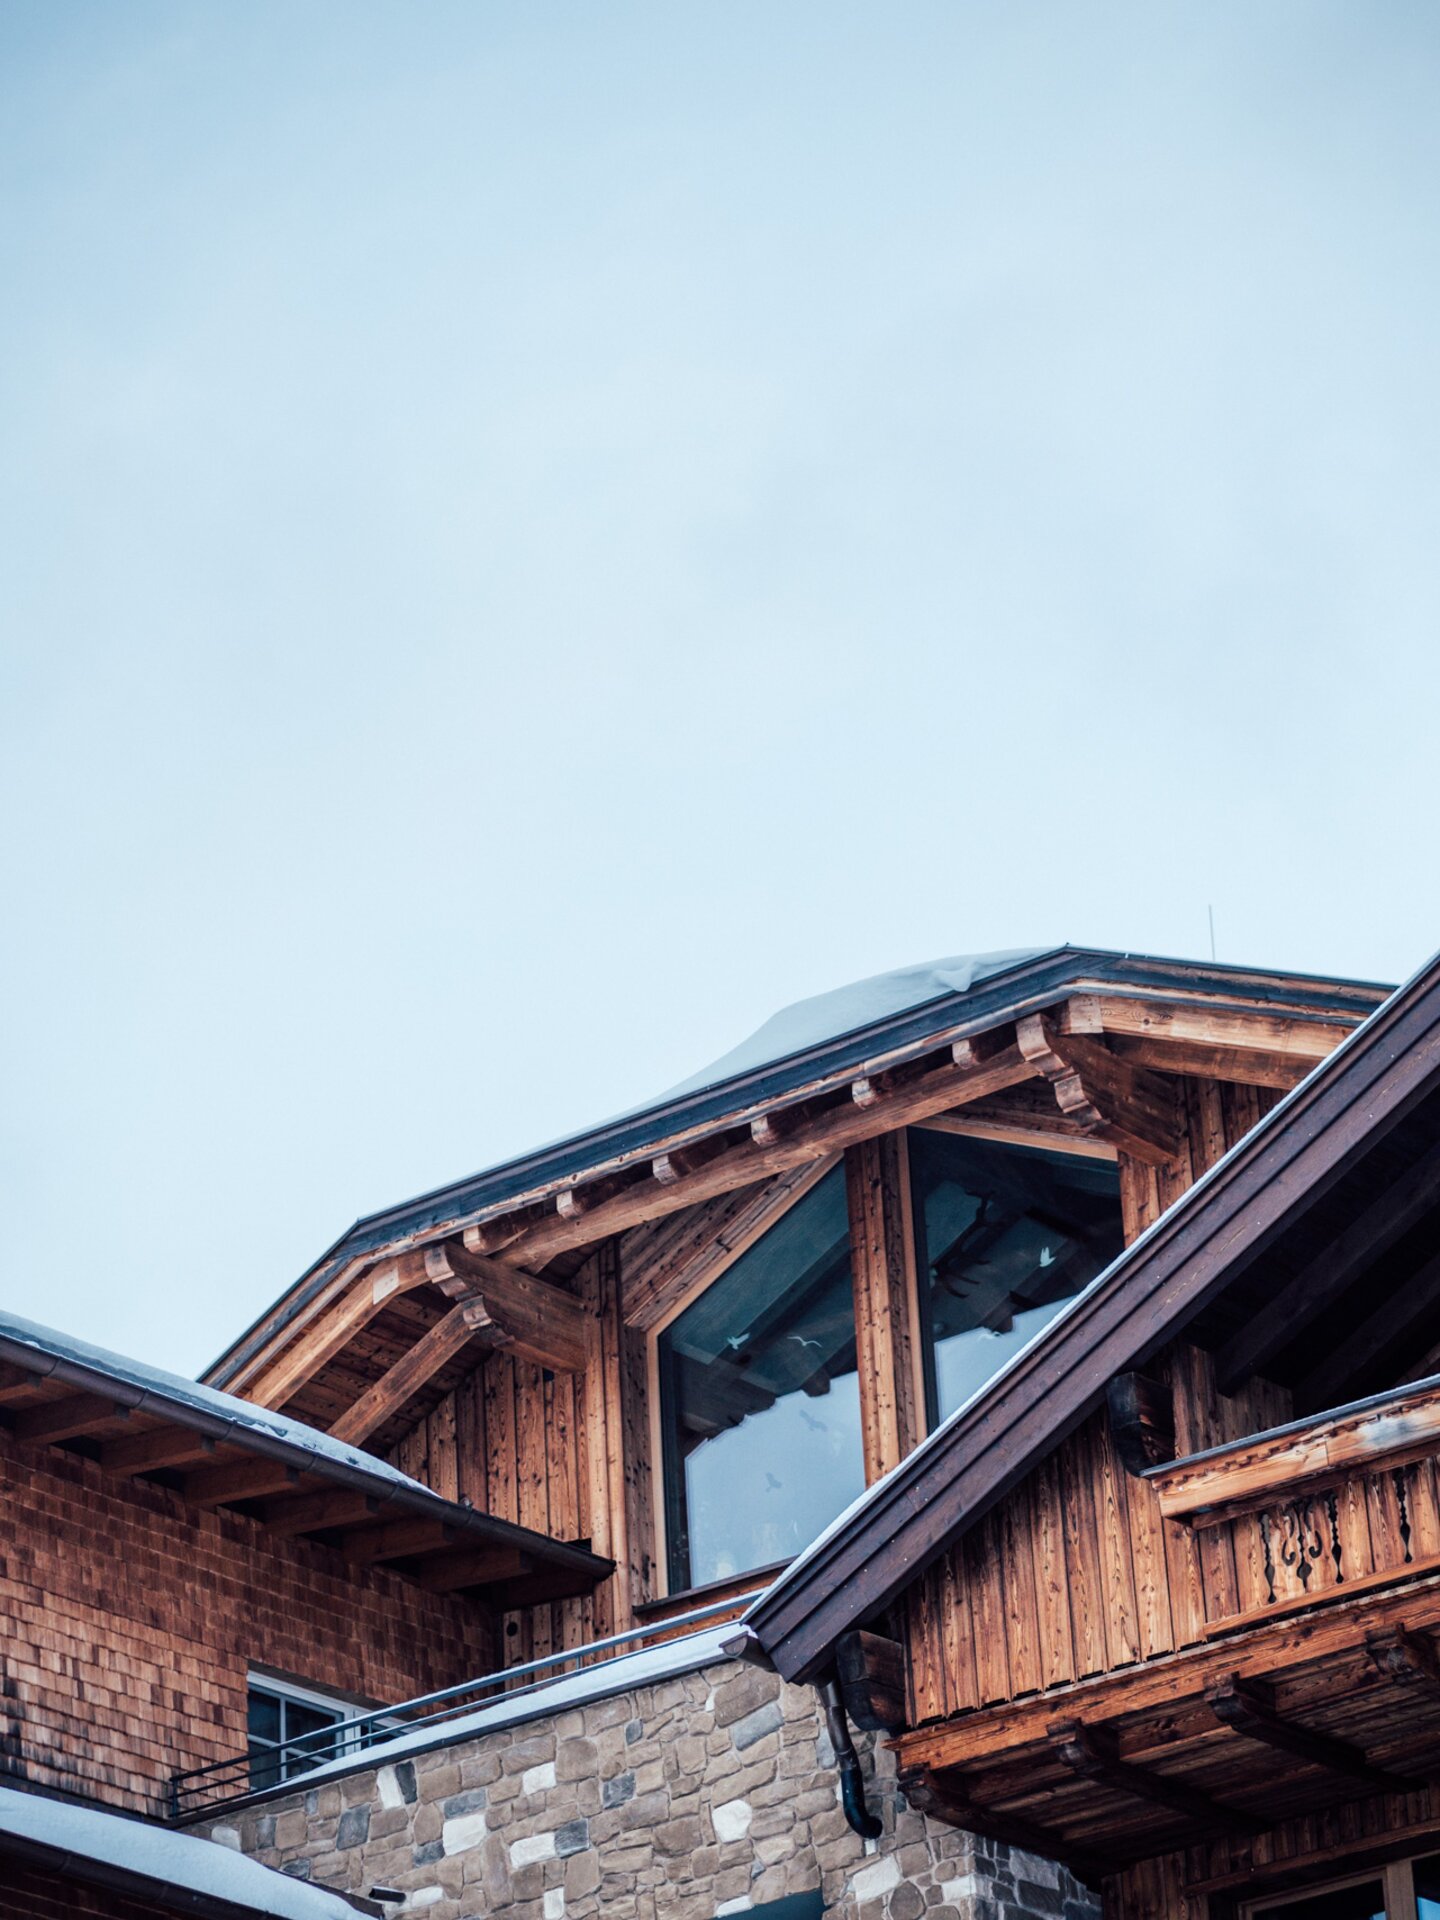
x=288 y=1761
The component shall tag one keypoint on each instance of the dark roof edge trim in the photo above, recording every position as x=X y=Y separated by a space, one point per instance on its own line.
x=1147 y=1295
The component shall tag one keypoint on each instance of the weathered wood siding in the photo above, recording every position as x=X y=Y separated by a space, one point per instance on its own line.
x=1074 y=1573
x=565 y=1454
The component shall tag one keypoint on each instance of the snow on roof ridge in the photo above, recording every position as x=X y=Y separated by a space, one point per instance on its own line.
x=839 y=1011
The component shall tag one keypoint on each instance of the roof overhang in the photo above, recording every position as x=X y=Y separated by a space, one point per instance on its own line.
x=1145 y=1298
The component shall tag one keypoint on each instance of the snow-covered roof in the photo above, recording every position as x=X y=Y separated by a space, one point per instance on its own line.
x=110 y=1849
x=844 y=1010
x=39 y=1348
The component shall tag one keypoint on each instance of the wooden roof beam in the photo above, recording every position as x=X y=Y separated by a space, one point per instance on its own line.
x=1093 y=1753
x=1248 y=1708
x=396 y=1540
x=1405 y=1658
x=1131 y=1107
x=401 y=1382
x=1178 y=1026
x=68 y=1418
x=319 y=1512
x=482 y=1567
x=530 y=1317
x=947 y=1797
x=1383 y=1331
x=947 y=1082
x=316 y=1345
x=161 y=1447
x=242 y=1480
x=1401 y=1206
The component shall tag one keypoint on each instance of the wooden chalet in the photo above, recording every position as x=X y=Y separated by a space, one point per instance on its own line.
x=1166 y=1592
x=773 y=1283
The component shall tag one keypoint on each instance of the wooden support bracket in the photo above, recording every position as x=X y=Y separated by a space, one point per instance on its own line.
x=1248 y=1707
x=1093 y=1752
x=1142 y=1421
x=515 y=1310
x=1405 y=1658
x=1131 y=1107
x=871 y=1671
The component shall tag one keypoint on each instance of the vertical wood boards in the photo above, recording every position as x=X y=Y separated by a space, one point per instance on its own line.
x=1075 y=1572
x=882 y=1262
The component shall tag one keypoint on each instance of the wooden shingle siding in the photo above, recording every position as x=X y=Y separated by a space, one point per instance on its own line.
x=130 y=1621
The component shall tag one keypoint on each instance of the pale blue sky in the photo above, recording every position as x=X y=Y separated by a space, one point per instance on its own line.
x=533 y=535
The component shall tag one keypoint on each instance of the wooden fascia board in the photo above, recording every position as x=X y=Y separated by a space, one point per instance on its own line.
x=1045 y=982
x=1155 y=1288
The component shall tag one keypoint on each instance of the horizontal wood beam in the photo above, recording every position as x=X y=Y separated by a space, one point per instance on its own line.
x=1177 y=1025
x=1374 y=1435
x=1162 y=1683
x=413 y=1370
x=481 y=1567
x=18 y=1383
x=1131 y=1107
x=396 y=1540
x=242 y=1480
x=161 y=1447
x=68 y=1418
x=1092 y=1753
x=947 y=1797
x=317 y=1344
x=1248 y=1707
x=1405 y=1658
x=1401 y=1206
x=319 y=1512
x=871 y=1671
x=747 y=1162
x=528 y=1316
x=1237 y=1066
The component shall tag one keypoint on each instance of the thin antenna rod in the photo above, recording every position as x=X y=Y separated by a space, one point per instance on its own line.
x=1212 y=933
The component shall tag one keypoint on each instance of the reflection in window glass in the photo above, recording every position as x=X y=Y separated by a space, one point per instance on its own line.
x=1004 y=1236
x=759 y=1399
x=1427 y=1888
x=1363 y=1901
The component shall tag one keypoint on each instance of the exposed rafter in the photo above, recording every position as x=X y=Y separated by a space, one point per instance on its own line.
x=1402 y=1205
x=1248 y=1708
x=1134 y=1109
x=1093 y=1752
x=532 y=1317
x=415 y=1367
x=947 y=1797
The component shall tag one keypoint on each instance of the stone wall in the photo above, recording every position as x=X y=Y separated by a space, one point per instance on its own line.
x=704 y=1795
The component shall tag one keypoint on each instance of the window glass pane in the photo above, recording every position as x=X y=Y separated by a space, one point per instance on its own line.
x=760 y=1401
x=1427 y=1888
x=300 y=1720
x=1364 y=1901
x=264 y=1715
x=264 y=1767
x=1005 y=1236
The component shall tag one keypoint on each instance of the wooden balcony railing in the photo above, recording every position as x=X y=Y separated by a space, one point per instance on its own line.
x=1315 y=1511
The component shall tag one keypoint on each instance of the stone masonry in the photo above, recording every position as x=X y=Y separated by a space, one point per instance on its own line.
x=707 y=1794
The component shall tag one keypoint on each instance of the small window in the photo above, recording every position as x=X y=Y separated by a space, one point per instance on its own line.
x=1004 y=1237
x=280 y=1715
x=760 y=1402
